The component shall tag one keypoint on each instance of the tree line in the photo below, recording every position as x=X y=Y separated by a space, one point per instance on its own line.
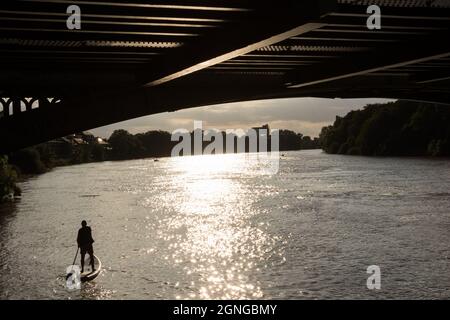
x=401 y=128
x=121 y=145
x=125 y=145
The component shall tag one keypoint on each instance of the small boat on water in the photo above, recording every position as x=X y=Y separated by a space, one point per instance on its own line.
x=88 y=274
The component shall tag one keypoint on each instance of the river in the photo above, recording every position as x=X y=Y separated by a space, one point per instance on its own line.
x=197 y=228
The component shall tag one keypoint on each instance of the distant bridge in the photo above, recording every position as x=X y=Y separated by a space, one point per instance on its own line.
x=130 y=60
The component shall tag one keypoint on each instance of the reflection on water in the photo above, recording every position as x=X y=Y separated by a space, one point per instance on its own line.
x=218 y=241
x=202 y=227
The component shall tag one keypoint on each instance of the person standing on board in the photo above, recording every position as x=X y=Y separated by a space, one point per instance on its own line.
x=85 y=242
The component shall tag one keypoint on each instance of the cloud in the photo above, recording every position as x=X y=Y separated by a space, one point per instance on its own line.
x=305 y=115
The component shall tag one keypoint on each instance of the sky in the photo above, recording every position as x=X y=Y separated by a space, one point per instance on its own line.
x=303 y=115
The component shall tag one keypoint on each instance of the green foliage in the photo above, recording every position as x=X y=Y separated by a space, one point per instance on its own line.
x=125 y=145
x=46 y=155
x=155 y=143
x=290 y=140
x=81 y=154
x=399 y=128
x=7 y=179
x=42 y=157
x=98 y=152
x=28 y=161
x=158 y=143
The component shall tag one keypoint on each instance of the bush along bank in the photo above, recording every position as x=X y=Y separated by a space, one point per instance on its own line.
x=8 y=179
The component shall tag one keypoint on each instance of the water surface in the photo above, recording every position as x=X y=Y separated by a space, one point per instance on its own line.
x=214 y=227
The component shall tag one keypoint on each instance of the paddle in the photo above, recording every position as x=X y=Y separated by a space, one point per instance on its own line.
x=69 y=274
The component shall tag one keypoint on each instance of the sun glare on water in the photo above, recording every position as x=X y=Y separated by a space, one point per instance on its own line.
x=216 y=241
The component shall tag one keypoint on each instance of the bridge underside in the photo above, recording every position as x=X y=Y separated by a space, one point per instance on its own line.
x=130 y=60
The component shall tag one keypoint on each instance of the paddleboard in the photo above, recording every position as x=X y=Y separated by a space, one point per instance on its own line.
x=88 y=274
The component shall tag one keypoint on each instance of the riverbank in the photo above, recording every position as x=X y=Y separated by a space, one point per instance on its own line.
x=8 y=179
x=401 y=128
x=86 y=148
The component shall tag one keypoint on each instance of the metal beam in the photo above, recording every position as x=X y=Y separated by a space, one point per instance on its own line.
x=387 y=57
x=270 y=25
x=112 y=17
x=122 y=13
x=178 y=6
x=442 y=74
x=401 y=12
x=235 y=53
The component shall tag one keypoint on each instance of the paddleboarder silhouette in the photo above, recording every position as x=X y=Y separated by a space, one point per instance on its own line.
x=85 y=242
